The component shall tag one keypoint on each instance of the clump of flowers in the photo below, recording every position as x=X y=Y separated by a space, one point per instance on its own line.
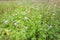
x=25 y=18
x=6 y=21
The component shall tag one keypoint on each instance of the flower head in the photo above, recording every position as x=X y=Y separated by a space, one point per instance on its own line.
x=6 y=21
x=25 y=18
x=15 y=23
x=49 y=27
x=26 y=27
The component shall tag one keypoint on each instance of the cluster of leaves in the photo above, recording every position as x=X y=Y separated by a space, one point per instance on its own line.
x=30 y=23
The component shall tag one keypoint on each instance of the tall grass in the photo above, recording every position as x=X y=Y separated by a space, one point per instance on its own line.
x=29 y=22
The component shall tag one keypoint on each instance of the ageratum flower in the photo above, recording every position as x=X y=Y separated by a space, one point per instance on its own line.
x=25 y=18
x=14 y=14
x=49 y=27
x=15 y=23
x=6 y=21
x=26 y=27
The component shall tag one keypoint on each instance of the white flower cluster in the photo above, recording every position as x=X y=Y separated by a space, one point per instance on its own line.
x=49 y=27
x=15 y=22
x=6 y=21
x=14 y=14
x=25 y=18
x=26 y=27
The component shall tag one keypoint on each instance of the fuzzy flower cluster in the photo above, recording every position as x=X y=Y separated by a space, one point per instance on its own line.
x=25 y=18
x=6 y=21
x=49 y=27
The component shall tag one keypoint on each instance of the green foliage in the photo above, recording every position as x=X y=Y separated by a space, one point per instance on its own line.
x=26 y=22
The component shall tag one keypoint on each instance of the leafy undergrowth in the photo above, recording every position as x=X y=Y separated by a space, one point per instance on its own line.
x=26 y=22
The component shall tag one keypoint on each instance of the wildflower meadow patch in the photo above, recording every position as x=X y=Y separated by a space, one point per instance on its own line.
x=25 y=22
